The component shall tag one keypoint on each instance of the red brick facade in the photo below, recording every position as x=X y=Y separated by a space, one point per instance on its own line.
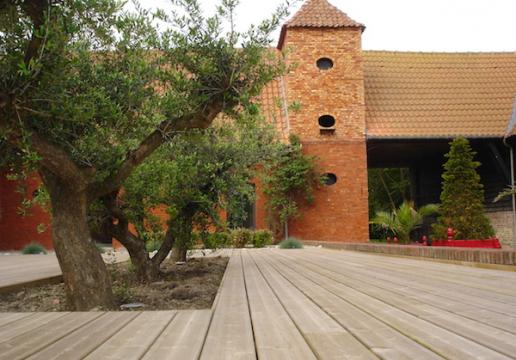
x=340 y=211
x=17 y=231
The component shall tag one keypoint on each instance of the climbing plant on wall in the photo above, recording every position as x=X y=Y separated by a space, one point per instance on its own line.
x=289 y=180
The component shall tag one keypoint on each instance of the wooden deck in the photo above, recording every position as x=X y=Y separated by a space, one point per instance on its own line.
x=16 y=270
x=298 y=304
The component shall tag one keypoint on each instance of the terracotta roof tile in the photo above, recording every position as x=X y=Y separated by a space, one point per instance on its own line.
x=421 y=95
x=318 y=14
x=272 y=104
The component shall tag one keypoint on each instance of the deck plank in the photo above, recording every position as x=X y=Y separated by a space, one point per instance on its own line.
x=473 y=307
x=38 y=338
x=8 y=318
x=26 y=324
x=80 y=343
x=501 y=279
x=133 y=340
x=467 y=312
x=298 y=304
x=275 y=333
x=231 y=335
x=183 y=338
x=441 y=341
x=382 y=339
x=327 y=338
x=500 y=292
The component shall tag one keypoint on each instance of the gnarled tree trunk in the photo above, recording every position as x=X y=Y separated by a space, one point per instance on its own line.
x=87 y=281
x=147 y=269
x=182 y=227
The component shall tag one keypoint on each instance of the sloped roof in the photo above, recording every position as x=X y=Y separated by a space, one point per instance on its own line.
x=438 y=95
x=273 y=107
x=318 y=14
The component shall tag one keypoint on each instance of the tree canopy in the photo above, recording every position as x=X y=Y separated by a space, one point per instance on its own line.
x=89 y=90
x=186 y=185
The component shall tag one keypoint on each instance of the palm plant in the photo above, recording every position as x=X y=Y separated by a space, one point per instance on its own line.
x=404 y=219
x=509 y=191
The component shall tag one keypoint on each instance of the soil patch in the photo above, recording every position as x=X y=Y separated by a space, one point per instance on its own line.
x=189 y=286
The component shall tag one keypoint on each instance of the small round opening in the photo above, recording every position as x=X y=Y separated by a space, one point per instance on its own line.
x=327 y=121
x=330 y=179
x=324 y=63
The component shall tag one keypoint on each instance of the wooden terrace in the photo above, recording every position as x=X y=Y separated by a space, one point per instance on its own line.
x=298 y=304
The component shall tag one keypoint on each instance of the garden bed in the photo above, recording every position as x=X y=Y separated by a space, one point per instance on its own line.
x=466 y=255
x=189 y=286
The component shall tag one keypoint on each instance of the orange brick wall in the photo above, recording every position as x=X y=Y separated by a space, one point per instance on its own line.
x=340 y=211
x=16 y=231
x=338 y=92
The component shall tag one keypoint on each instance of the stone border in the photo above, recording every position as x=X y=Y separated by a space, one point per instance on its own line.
x=498 y=257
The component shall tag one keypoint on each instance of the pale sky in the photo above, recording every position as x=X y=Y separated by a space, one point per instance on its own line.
x=409 y=25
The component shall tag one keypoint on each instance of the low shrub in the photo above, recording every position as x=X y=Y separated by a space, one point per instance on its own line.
x=291 y=243
x=33 y=248
x=262 y=238
x=216 y=240
x=241 y=237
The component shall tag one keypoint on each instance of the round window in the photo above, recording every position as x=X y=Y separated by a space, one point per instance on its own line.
x=325 y=63
x=326 y=121
x=330 y=179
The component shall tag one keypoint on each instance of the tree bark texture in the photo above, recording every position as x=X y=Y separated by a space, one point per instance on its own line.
x=87 y=281
x=147 y=269
x=182 y=228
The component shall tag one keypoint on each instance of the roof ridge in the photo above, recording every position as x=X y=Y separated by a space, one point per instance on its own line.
x=440 y=52
x=319 y=14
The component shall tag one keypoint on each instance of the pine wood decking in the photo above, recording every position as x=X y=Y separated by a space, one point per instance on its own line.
x=298 y=304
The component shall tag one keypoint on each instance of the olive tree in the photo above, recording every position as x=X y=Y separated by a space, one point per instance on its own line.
x=185 y=186
x=89 y=90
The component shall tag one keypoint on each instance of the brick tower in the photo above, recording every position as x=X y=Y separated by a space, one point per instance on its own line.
x=324 y=44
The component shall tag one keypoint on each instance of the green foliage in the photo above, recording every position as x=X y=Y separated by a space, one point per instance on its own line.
x=388 y=188
x=217 y=240
x=291 y=243
x=153 y=245
x=402 y=221
x=462 y=196
x=242 y=237
x=33 y=248
x=238 y=238
x=196 y=176
x=262 y=238
x=123 y=293
x=89 y=90
x=288 y=179
x=509 y=191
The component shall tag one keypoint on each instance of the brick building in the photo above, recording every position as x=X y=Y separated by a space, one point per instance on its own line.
x=362 y=109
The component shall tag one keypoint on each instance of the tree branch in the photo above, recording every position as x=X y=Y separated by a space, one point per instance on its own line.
x=35 y=9
x=165 y=247
x=59 y=163
x=164 y=132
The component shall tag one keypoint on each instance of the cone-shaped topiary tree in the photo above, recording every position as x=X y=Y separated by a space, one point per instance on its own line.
x=462 y=196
